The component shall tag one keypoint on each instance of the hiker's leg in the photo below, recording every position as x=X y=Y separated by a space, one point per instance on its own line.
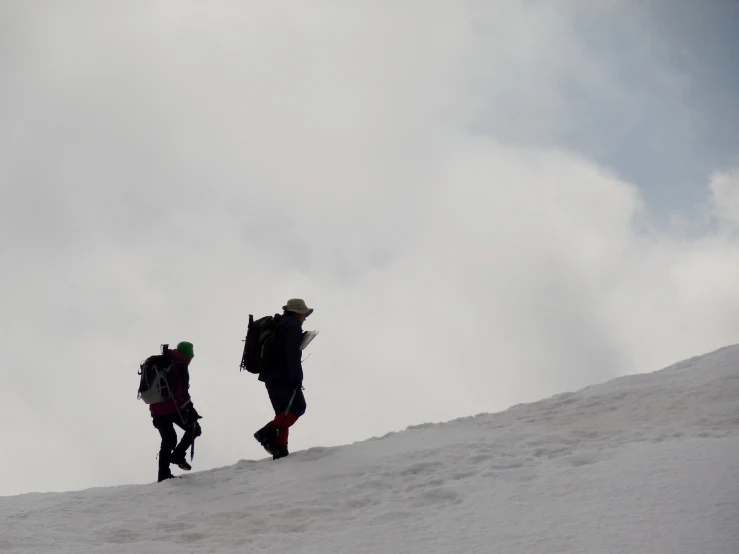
x=192 y=430
x=279 y=397
x=169 y=441
x=267 y=434
x=284 y=422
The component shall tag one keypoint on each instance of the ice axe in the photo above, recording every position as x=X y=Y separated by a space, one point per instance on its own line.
x=289 y=405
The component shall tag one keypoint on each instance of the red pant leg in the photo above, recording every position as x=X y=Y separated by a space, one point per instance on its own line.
x=289 y=420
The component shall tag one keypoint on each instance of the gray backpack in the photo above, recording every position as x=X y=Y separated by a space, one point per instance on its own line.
x=153 y=385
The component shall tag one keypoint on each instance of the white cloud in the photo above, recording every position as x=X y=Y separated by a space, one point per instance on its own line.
x=170 y=169
x=724 y=187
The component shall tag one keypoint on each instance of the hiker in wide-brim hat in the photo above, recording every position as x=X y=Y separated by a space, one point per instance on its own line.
x=284 y=380
x=297 y=306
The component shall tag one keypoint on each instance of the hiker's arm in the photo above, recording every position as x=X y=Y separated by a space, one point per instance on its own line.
x=293 y=338
x=185 y=380
x=185 y=385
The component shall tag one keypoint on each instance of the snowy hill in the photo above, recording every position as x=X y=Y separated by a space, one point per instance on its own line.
x=642 y=464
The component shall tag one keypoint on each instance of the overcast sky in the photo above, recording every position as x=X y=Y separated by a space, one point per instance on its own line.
x=487 y=203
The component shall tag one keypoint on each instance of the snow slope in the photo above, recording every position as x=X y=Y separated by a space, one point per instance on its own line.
x=642 y=464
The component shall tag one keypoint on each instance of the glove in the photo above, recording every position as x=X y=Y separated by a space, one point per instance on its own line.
x=193 y=415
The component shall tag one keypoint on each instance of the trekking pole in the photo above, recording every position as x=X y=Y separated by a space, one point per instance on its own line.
x=289 y=405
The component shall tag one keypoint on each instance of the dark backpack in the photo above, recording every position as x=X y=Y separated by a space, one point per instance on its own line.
x=258 y=344
x=153 y=384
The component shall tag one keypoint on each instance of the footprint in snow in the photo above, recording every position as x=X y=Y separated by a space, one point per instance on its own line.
x=173 y=527
x=437 y=495
x=421 y=467
x=194 y=537
x=392 y=516
x=312 y=454
x=463 y=475
x=580 y=460
x=122 y=536
x=425 y=484
x=479 y=458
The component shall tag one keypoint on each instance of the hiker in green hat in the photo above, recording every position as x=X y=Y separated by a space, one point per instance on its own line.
x=176 y=409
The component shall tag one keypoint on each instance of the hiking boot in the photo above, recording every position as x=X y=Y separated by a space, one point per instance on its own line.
x=164 y=477
x=181 y=463
x=266 y=437
x=280 y=452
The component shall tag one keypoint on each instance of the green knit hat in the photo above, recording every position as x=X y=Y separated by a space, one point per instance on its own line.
x=186 y=349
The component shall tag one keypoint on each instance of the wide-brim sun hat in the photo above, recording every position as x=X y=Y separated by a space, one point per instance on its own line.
x=298 y=306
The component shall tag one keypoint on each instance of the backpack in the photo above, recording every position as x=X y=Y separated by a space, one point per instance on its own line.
x=258 y=344
x=153 y=385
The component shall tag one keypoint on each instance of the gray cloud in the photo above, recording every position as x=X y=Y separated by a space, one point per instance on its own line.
x=427 y=178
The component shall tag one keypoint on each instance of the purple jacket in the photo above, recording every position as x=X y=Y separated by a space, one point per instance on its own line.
x=179 y=379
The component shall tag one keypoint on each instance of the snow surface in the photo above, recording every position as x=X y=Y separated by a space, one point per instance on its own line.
x=642 y=464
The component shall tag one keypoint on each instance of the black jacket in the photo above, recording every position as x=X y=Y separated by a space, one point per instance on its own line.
x=286 y=368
